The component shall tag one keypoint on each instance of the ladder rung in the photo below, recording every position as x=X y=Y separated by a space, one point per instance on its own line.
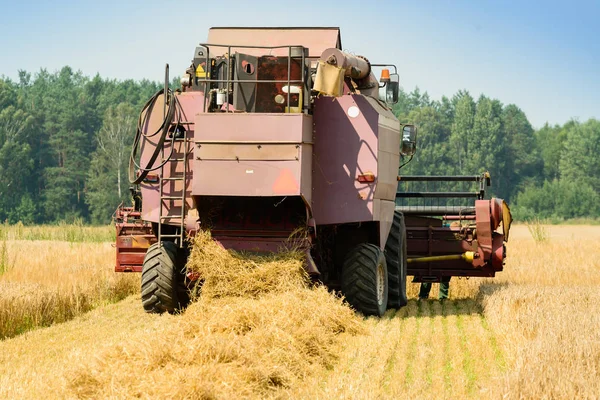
x=175 y=159
x=173 y=178
x=171 y=216
x=171 y=198
x=170 y=236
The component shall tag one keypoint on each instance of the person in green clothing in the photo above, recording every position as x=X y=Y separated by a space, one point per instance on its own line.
x=444 y=288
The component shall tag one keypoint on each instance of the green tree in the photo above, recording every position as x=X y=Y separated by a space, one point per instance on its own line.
x=52 y=120
x=521 y=160
x=486 y=145
x=16 y=165
x=68 y=137
x=579 y=161
x=550 y=144
x=25 y=212
x=433 y=155
x=557 y=199
x=107 y=180
x=462 y=130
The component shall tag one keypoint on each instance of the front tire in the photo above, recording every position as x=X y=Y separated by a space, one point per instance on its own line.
x=365 y=279
x=396 y=256
x=163 y=282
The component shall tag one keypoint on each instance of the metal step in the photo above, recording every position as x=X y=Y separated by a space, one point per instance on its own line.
x=171 y=198
x=171 y=216
x=174 y=178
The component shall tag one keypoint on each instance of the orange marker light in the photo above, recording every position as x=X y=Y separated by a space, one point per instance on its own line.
x=385 y=75
x=368 y=177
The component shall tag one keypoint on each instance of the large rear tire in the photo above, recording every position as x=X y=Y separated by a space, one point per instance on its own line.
x=163 y=279
x=396 y=255
x=365 y=279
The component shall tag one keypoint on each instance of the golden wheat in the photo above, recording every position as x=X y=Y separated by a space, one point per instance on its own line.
x=76 y=232
x=531 y=332
x=260 y=335
x=49 y=282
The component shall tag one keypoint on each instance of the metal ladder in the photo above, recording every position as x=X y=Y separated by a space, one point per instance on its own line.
x=180 y=211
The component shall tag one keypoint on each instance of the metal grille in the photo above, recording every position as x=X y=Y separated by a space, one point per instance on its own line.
x=440 y=195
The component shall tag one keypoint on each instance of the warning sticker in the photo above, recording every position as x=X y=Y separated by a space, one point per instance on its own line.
x=200 y=73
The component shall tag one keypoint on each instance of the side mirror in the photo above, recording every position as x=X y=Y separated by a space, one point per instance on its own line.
x=408 y=145
x=391 y=89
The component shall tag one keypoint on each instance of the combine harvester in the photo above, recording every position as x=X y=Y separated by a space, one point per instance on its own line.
x=276 y=129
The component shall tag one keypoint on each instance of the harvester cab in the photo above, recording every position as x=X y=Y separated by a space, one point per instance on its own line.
x=275 y=129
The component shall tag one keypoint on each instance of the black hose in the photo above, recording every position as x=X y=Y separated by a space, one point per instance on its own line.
x=174 y=108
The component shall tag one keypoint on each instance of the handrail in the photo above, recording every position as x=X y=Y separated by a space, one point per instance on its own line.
x=231 y=80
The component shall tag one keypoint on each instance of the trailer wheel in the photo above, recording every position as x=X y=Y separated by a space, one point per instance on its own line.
x=396 y=255
x=163 y=282
x=365 y=279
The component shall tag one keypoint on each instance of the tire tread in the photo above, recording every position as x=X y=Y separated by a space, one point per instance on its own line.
x=395 y=253
x=162 y=286
x=359 y=279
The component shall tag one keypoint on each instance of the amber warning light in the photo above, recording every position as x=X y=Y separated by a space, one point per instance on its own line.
x=385 y=75
x=366 y=177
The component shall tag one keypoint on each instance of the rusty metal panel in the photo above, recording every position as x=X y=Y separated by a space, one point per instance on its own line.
x=385 y=210
x=387 y=179
x=134 y=236
x=135 y=241
x=247 y=178
x=132 y=258
x=345 y=146
x=316 y=39
x=248 y=152
x=274 y=169
x=244 y=95
x=253 y=128
x=306 y=161
x=388 y=153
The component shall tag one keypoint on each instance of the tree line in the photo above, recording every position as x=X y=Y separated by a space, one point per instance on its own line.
x=64 y=143
x=549 y=173
x=65 y=140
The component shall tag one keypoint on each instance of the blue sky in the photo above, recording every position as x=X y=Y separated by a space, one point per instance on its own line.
x=542 y=56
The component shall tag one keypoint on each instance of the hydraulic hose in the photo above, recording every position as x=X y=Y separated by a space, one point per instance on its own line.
x=174 y=109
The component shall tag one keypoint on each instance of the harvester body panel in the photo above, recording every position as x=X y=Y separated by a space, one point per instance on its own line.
x=134 y=236
x=355 y=136
x=253 y=154
x=316 y=40
x=191 y=103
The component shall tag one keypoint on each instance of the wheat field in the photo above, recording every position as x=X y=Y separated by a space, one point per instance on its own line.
x=532 y=332
x=45 y=282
